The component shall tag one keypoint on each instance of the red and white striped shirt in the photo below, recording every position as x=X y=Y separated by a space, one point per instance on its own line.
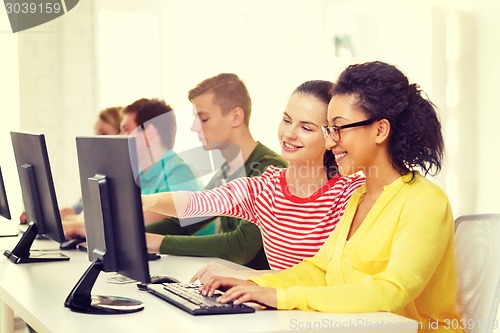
x=292 y=228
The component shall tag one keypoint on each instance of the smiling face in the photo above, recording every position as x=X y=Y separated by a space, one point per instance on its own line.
x=357 y=148
x=300 y=130
x=214 y=129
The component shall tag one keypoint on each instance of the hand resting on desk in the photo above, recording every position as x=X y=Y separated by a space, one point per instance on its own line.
x=213 y=269
x=153 y=242
x=73 y=228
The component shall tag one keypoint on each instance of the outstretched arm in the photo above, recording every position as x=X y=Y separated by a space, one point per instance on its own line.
x=233 y=199
x=166 y=203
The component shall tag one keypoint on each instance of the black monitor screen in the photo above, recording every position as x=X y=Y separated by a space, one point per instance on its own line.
x=39 y=197
x=7 y=229
x=114 y=222
x=4 y=204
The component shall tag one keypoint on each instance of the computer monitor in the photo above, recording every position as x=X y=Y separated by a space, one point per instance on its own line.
x=4 y=204
x=7 y=229
x=39 y=198
x=113 y=221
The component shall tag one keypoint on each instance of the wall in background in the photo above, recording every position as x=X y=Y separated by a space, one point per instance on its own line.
x=91 y=58
x=487 y=110
x=10 y=115
x=58 y=90
x=166 y=48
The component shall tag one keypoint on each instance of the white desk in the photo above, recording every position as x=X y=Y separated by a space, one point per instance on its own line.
x=36 y=292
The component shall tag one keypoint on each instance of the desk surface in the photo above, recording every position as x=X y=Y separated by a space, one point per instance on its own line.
x=36 y=292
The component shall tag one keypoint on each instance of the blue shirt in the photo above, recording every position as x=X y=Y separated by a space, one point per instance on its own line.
x=170 y=173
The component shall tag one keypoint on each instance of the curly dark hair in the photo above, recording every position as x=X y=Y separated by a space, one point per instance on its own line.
x=321 y=90
x=383 y=92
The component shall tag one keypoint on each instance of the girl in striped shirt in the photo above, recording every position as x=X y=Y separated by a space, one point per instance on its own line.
x=295 y=208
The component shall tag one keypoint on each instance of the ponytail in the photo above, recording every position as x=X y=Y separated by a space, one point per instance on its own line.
x=417 y=139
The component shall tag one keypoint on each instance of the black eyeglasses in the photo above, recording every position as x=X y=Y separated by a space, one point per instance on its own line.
x=334 y=131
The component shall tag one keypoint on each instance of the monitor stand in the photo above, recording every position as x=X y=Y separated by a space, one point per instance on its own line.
x=80 y=299
x=21 y=252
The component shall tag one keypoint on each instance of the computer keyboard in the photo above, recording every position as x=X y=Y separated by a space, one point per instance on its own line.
x=188 y=298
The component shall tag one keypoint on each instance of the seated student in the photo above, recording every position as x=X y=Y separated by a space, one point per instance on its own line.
x=393 y=249
x=295 y=208
x=153 y=123
x=108 y=123
x=222 y=108
x=160 y=169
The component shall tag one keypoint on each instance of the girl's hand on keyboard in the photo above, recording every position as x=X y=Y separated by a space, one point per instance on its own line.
x=246 y=293
x=240 y=291
x=222 y=283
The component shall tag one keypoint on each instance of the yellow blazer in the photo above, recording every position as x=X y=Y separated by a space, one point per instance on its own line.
x=400 y=260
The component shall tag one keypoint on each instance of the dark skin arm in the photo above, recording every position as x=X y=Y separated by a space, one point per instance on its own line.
x=240 y=291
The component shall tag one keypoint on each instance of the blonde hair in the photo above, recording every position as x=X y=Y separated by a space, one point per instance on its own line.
x=112 y=116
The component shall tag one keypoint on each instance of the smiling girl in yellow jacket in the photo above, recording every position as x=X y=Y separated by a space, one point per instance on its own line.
x=393 y=248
